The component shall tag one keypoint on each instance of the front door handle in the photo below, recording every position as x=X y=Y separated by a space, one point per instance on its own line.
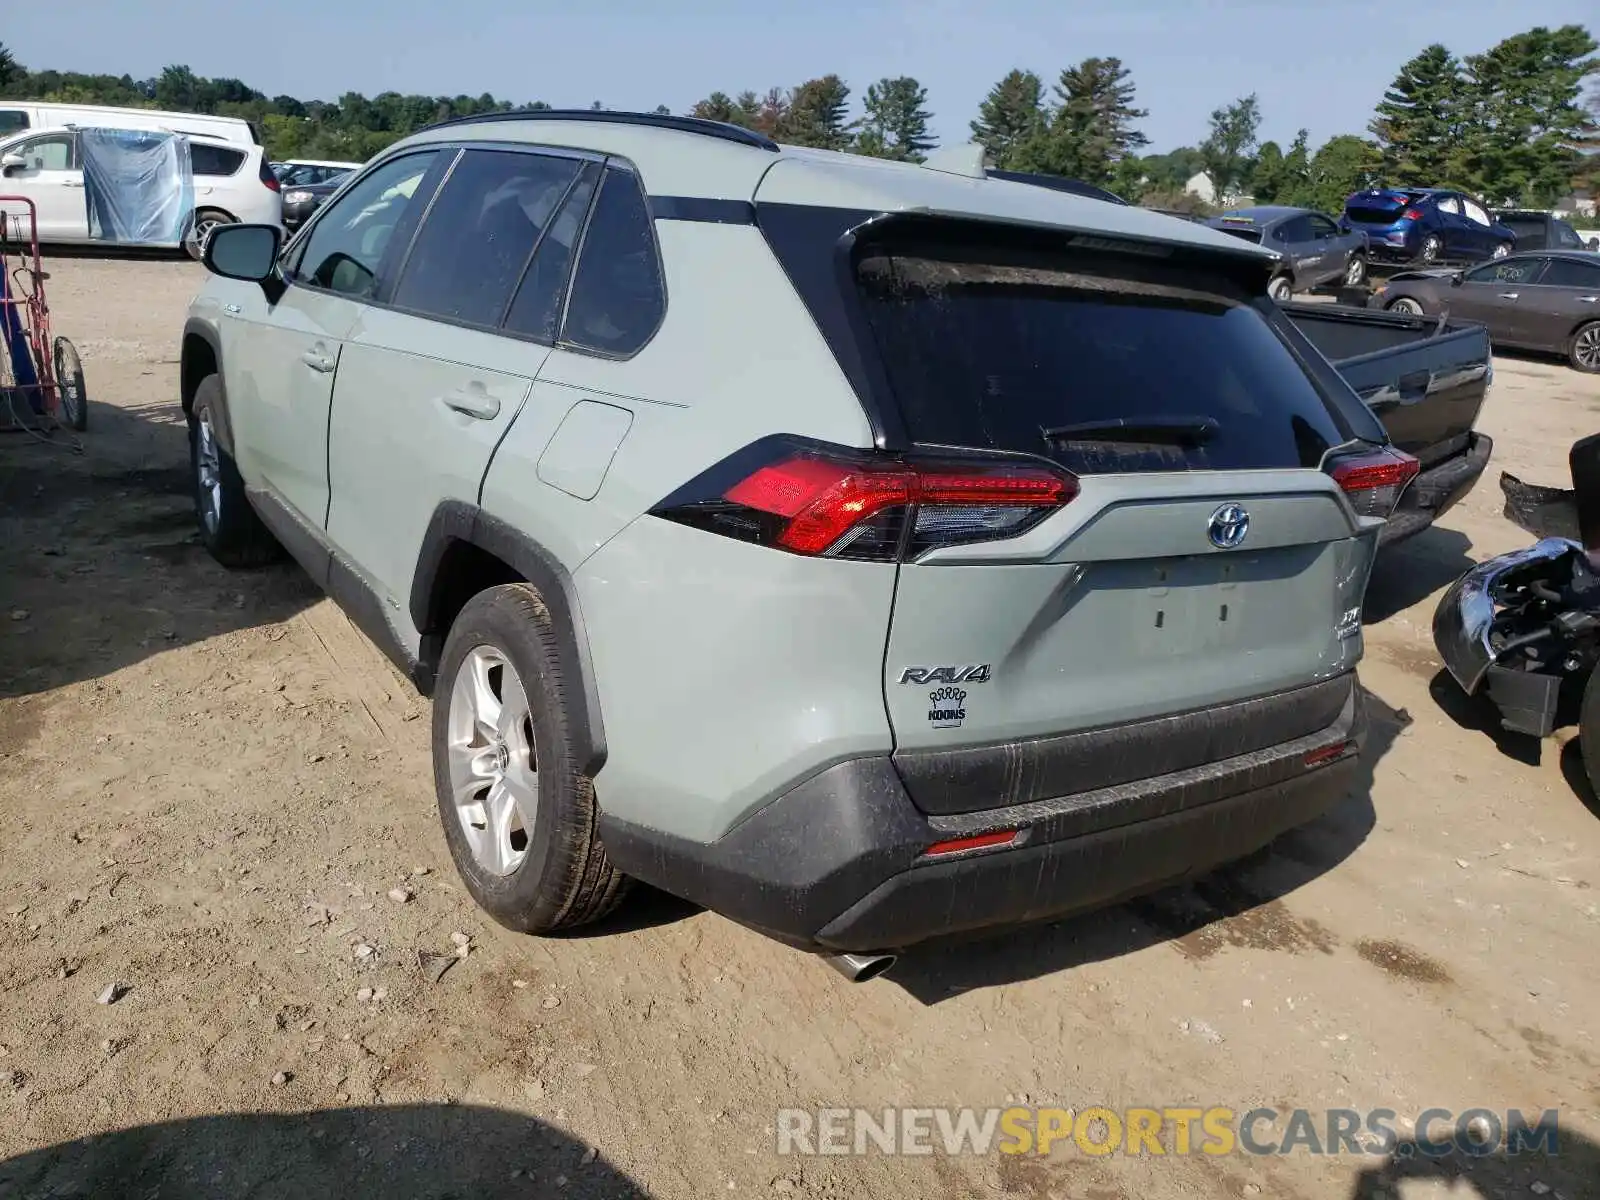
x=473 y=401
x=72 y=183
x=1589 y=299
x=317 y=361
x=1508 y=295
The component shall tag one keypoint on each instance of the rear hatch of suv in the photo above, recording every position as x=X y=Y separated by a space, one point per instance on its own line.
x=1378 y=209
x=1195 y=559
x=1179 y=413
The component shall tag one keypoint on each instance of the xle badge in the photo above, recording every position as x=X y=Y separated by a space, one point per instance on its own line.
x=947 y=708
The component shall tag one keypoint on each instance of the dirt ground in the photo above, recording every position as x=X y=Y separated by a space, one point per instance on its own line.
x=209 y=784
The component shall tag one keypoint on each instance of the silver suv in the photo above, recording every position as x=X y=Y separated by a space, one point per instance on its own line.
x=867 y=551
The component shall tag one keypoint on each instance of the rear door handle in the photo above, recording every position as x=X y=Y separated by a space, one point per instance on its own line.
x=72 y=183
x=1509 y=295
x=317 y=361
x=1589 y=299
x=473 y=401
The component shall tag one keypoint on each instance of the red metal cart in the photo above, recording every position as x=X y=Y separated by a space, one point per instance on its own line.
x=41 y=373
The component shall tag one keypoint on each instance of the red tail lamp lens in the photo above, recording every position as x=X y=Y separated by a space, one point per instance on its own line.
x=852 y=506
x=1375 y=482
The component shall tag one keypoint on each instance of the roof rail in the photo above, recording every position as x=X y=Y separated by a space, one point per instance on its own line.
x=716 y=129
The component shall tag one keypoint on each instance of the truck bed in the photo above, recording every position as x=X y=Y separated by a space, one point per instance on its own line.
x=1426 y=380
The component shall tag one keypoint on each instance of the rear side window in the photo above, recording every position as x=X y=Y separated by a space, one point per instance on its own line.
x=1566 y=236
x=1297 y=229
x=1101 y=363
x=617 y=299
x=1563 y=272
x=13 y=121
x=536 y=311
x=480 y=234
x=207 y=159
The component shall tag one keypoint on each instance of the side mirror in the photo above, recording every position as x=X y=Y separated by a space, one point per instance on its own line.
x=13 y=160
x=1456 y=278
x=246 y=252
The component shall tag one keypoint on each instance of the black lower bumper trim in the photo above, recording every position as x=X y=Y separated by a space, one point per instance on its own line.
x=1437 y=490
x=839 y=862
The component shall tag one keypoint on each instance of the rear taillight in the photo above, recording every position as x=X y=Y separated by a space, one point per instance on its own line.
x=267 y=177
x=829 y=503
x=1412 y=214
x=1375 y=481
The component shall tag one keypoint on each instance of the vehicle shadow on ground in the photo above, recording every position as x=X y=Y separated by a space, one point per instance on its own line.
x=101 y=564
x=1477 y=714
x=1570 y=1173
x=1238 y=905
x=429 y=1151
x=1413 y=570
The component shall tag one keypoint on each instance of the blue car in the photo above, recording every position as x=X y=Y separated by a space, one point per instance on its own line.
x=1427 y=226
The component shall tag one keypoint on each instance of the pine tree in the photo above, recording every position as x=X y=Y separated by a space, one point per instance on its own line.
x=1091 y=129
x=10 y=69
x=896 y=124
x=1279 y=176
x=816 y=114
x=1419 y=122
x=1228 y=148
x=716 y=107
x=1526 y=117
x=1012 y=112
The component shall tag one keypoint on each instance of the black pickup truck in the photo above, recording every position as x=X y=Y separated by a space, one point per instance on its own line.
x=1425 y=379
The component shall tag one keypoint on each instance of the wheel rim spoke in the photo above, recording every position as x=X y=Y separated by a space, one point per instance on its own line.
x=493 y=776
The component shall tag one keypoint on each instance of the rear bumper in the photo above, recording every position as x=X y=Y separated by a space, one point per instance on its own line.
x=1438 y=489
x=839 y=861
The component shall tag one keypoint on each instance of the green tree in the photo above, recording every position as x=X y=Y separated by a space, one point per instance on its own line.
x=1171 y=171
x=1228 y=148
x=1281 y=177
x=1526 y=120
x=1419 y=122
x=718 y=106
x=10 y=68
x=816 y=115
x=1091 y=129
x=1343 y=164
x=1010 y=114
x=896 y=121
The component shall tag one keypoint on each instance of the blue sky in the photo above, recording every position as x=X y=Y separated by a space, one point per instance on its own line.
x=1314 y=64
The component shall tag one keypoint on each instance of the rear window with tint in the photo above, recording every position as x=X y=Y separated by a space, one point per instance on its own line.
x=1243 y=232
x=1100 y=363
x=207 y=159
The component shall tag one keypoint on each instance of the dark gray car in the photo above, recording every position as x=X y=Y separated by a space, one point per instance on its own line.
x=1315 y=253
x=1547 y=300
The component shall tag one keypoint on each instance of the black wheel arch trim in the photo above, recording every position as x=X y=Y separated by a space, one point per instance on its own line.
x=196 y=328
x=456 y=521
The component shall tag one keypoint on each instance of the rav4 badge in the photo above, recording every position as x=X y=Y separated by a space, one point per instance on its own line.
x=975 y=674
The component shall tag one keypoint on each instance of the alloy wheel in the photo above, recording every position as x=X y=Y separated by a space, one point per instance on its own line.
x=494 y=776
x=1586 y=349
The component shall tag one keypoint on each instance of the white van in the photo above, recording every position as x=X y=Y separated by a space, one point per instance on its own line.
x=19 y=116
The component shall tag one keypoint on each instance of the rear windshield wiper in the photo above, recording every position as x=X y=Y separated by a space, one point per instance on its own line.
x=1170 y=431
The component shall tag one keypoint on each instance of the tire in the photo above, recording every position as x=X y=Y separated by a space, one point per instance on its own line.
x=229 y=527
x=1281 y=288
x=1406 y=305
x=1430 y=250
x=74 y=399
x=1583 y=352
x=1589 y=730
x=555 y=874
x=1355 y=271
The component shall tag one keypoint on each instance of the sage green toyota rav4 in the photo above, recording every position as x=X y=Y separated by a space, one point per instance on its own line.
x=865 y=550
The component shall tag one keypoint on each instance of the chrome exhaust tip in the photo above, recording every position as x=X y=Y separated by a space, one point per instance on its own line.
x=859 y=968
